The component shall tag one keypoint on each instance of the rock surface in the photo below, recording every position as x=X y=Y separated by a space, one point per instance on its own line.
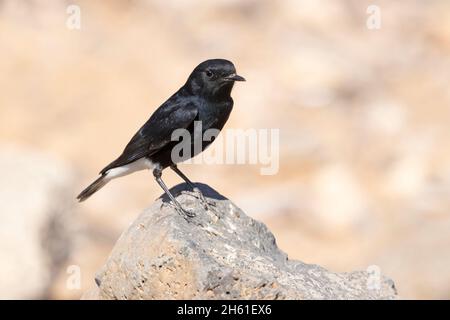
x=220 y=254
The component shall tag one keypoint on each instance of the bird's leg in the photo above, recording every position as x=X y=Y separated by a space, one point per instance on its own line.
x=183 y=176
x=191 y=184
x=186 y=214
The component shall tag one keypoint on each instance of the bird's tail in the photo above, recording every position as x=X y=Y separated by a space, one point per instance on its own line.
x=93 y=188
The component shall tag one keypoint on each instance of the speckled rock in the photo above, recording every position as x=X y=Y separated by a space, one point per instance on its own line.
x=220 y=254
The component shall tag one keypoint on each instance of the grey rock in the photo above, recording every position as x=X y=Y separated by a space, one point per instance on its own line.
x=220 y=254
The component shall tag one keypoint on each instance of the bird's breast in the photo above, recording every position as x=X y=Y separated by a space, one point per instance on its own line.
x=214 y=115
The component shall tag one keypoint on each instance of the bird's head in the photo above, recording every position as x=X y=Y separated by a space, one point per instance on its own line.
x=213 y=78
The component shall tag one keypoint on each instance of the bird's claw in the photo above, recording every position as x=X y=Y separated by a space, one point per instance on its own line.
x=207 y=205
x=199 y=195
x=182 y=212
x=185 y=213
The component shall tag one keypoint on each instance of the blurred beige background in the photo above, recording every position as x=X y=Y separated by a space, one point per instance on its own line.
x=363 y=115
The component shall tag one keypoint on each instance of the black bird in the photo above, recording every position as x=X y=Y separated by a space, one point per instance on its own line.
x=204 y=97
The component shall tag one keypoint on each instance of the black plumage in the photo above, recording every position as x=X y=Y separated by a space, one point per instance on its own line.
x=204 y=97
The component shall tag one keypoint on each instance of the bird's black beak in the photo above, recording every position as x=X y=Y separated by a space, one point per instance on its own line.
x=234 y=77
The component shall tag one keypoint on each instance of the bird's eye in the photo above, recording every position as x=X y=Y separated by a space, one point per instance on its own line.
x=209 y=73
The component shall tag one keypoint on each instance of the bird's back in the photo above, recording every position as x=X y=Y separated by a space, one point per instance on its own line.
x=179 y=111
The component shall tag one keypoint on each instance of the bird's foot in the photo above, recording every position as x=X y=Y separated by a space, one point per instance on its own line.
x=207 y=205
x=187 y=214
x=203 y=200
x=210 y=206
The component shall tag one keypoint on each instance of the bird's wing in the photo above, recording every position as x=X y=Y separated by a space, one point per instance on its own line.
x=156 y=132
